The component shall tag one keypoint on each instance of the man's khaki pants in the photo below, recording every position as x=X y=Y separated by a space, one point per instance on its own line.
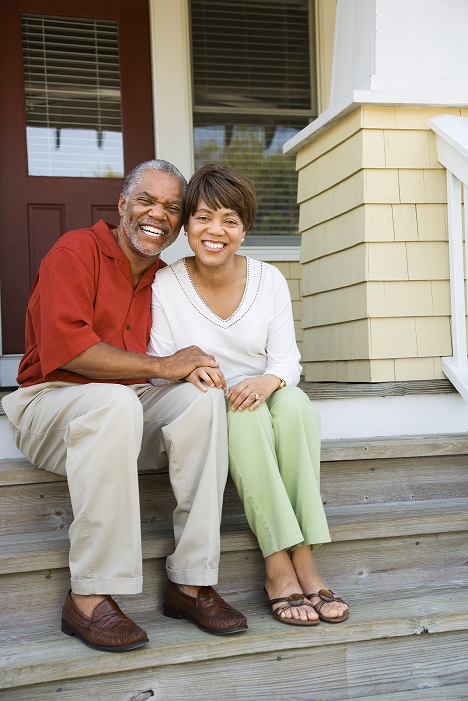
x=99 y=435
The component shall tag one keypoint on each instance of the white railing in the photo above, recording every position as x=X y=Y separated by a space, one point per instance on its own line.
x=452 y=152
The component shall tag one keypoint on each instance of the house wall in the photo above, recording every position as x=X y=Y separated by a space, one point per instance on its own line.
x=292 y=271
x=375 y=279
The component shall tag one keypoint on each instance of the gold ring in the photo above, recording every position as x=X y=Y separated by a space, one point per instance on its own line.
x=256 y=396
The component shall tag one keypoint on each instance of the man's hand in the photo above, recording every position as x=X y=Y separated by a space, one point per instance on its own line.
x=105 y=362
x=187 y=361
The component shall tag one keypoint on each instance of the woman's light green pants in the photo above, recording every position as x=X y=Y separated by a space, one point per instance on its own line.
x=274 y=461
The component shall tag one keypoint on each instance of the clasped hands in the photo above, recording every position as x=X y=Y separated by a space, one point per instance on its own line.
x=247 y=394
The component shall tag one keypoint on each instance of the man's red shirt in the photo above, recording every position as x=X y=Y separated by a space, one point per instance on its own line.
x=84 y=294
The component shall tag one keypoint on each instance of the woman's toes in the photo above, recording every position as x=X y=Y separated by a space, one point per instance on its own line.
x=307 y=614
x=334 y=611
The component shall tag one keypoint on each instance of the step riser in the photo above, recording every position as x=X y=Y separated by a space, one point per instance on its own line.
x=355 y=569
x=46 y=506
x=395 y=479
x=328 y=673
x=39 y=508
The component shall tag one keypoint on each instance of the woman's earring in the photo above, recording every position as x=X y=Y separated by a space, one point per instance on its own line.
x=242 y=240
x=185 y=232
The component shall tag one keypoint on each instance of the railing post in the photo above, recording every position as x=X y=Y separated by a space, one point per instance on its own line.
x=457 y=276
x=465 y=230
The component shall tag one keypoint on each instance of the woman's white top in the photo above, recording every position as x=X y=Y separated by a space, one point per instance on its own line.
x=257 y=338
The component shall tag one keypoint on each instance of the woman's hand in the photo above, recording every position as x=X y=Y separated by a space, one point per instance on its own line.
x=252 y=392
x=204 y=377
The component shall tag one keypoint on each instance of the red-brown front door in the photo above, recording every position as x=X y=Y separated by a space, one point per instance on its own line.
x=37 y=209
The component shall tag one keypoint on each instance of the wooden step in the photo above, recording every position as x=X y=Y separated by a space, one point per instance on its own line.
x=345 y=390
x=271 y=661
x=20 y=471
x=361 y=569
x=453 y=692
x=398 y=519
x=45 y=506
x=25 y=552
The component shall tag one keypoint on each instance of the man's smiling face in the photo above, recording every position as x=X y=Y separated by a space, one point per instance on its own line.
x=150 y=215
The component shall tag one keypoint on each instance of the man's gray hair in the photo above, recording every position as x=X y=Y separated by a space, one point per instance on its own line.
x=158 y=165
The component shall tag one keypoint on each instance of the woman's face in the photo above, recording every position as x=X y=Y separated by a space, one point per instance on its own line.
x=214 y=235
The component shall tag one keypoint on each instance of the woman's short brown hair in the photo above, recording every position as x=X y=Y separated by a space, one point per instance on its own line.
x=220 y=186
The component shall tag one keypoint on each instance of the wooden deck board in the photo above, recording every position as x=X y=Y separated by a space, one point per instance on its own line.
x=63 y=658
x=43 y=550
x=20 y=470
x=293 y=675
x=455 y=692
x=346 y=390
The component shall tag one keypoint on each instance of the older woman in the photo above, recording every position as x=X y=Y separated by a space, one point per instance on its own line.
x=239 y=310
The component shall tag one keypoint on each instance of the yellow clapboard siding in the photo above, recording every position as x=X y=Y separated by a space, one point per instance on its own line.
x=335 y=341
x=334 y=136
x=393 y=338
x=433 y=336
x=416 y=117
x=428 y=260
x=407 y=369
x=340 y=269
x=405 y=223
x=363 y=150
x=407 y=149
x=335 y=306
x=432 y=222
x=387 y=261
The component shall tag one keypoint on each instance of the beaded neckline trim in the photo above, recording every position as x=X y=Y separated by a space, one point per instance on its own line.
x=225 y=322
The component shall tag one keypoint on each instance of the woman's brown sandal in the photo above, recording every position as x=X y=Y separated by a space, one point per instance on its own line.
x=293 y=600
x=326 y=596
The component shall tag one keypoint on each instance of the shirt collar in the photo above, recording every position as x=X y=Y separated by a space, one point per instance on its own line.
x=109 y=246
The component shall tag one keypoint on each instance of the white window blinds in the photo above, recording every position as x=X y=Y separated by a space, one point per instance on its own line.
x=72 y=94
x=252 y=91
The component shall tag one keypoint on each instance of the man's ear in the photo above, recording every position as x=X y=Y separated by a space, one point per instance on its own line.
x=122 y=203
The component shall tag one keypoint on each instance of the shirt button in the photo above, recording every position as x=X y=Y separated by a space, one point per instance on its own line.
x=128 y=327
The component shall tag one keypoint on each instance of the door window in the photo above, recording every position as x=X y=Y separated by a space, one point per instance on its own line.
x=72 y=95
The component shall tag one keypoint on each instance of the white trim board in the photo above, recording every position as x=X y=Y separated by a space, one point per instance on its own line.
x=369 y=417
x=270 y=254
x=361 y=98
x=9 y=370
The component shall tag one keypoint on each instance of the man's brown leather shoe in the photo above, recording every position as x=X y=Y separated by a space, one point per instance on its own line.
x=208 y=610
x=108 y=629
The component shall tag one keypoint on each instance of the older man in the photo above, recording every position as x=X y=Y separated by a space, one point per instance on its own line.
x=84 y=409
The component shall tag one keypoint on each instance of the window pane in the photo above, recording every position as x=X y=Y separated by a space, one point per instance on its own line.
x=252 y=92
x=256 y=151
x=251 y=54
x=72 y=93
